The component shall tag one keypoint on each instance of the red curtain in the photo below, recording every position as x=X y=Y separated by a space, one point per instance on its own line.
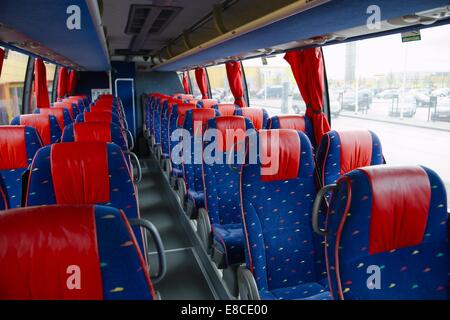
x=307 y=67
x=40 y=84
x=200 y=76
x=234 y=75
x=63 y=82
x=186 y=83
x=72 y=82
x=2 y=56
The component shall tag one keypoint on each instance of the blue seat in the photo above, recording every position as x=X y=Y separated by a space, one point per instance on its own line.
x=222 y=179
x=166 y=110
x=62 y=115
x=195 y=123
x=295 y=122
x=278 y=188
x=83 y=173
x=46 y=125
x=258 y=116
x=176 y=120
x=18 y=145
x=387 y=235
x=3 y=200
x=43 y=247
x=342 y=151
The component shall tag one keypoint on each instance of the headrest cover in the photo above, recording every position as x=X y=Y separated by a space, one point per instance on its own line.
x=400 y=205
x=200 y=118
x=66 y=104
x=13 y=154
x=41 y=122
x=279 y=153
x=58 y=113
x=98 y=116
x=255 y=115
x=226 y=109
x=80 y=172
x=208 y=103
x=182 y=109
x=232 y=130
x=356 y=149
x=39 y=247
x=183 y=96
x=292 y=122
x=92 y=131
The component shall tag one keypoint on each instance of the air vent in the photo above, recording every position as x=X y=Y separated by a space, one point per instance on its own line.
x=153 y=18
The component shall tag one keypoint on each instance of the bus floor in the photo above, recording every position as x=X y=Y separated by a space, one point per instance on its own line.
x=190 y=275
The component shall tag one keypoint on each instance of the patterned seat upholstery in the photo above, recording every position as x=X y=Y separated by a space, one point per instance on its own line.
x=95 y=131
x=222 y=178
x=226 y=109
x=43 y=250
x=258 y=116
x=157 y=120
x=340 y=152
x=72 y=107
x=176 y=120
x=100 y=116
x=166 y=110
x=62 y=115
x=387 y=235
x=295 y=122
x=78 y=101
x=282 y=251
x=182 y=96
x=83 y=173
x=207 y=103
x=18 y=145
x=46 y=125
x=195 y=122
x=3 y=200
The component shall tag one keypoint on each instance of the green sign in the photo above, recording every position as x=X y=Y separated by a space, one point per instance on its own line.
x=411 y=36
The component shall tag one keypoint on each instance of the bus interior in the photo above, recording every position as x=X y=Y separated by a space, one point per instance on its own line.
x=224 y=150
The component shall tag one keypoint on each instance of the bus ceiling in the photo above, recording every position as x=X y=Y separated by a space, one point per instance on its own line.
x=181 y=34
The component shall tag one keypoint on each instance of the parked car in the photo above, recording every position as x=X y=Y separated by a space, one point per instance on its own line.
x=442 y=112
x=422 y=97
x=388 y=94
x=270 y=92
x=405 y=106
x=364 y=100
x=441 y=92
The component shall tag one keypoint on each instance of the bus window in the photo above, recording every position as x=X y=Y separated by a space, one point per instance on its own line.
x=272 y=86
x=50 y=75
x=195 y=90
x=218 y=81
x=401 y=91
x=12 y=82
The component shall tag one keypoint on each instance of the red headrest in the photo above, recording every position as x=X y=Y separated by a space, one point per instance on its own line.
x=200 y=118
x=41 y=122
x=13 y=153
x=39 y=246
x=400 y=205
x=182 y=109
x=356 y=149
x=57 y=112
x=226 y=109
x=98 y=116
x=92 y=131
x=183 y=96
x=80 y=172
x=255 y=115
x=232 y=130
x=65 y=104
x=294 y=122
x=209 y=103
x=280 y=151
x=102 y=105
x=107 y=97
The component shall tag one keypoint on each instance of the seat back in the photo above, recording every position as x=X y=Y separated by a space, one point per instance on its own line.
x=195 y=123
x=83 y=173
x=222 y=169
x=277 y=196
x=295 y=122
x=342 y=151
x=62 y=115
x=225 y=109
x=70 y=253
x=78 y=101
x=258 y=116
x=100 y=116
x=72 y=107
x=18 y=145
x=207 y=103
x=3 y=200
x=165 y=116
x=182 y=96
x=95 y=131
x=46 y=125
x=387 y=235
